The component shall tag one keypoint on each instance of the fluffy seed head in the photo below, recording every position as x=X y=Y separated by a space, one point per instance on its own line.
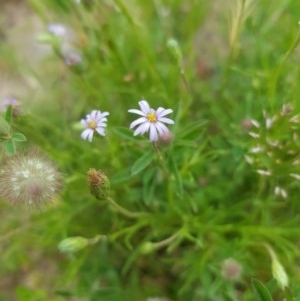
x=29 y=178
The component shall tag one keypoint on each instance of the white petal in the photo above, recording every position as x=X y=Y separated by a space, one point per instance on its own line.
x=135 y=111
x=90 y=136
x=101 y=124
x=138 y=121
x=94 y=114
x=163 y=112
x=83 y=122
x=153 y=133
x=159 y=111
x=86 y=134
x=100 y=120
x=100 y=131
x=89 y=118
x=145 y=128
x=162 y=129
x=144 y=106
x=105 y=114
x=141 y=129
x=166 y=120
x=102 y=115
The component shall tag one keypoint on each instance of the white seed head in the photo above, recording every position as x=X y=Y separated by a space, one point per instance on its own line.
x=29 y=178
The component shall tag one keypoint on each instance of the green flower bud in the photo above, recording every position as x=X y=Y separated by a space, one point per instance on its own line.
x=147 y=247
x=278 y=270
x=279 y=273
x=175 y=51
x=99 y=184
x=73 y=244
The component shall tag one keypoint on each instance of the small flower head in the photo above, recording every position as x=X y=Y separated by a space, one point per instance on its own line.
x=57 y=29
x=231 y=269
x=10 y=101
x=274 y=149
x=151 y=120
x=29 y=178
x=72 y=59
x=166 y=139
x=99 y=184
x=95 y=121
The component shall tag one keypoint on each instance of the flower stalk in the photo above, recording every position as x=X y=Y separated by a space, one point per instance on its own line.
x=124 y=211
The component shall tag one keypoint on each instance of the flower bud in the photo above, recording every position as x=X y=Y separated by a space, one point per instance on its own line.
x=73 y=244
x=99 y=184
x=72 y=59
x=175 y=51
x=166 y=139
x=147 y=247
x=279 y=273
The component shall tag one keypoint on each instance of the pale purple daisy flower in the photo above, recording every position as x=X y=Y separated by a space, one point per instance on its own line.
x=151 y=120
x=95 y=121
x=57 y=29
x=9 y=101
x=72 y=59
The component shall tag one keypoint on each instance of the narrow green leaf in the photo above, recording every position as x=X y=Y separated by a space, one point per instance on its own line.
x=10 y=147
x=124 y=133
x=191 y=128
x=4 y=126
x=261 y=291
x=148 y=187
x=121 y=176
x=18 y=137
x=9 y=114
x=176 y=178
x=142 y=162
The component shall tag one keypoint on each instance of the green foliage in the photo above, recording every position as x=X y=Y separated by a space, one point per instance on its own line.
x=261 y=291
x=193 y=216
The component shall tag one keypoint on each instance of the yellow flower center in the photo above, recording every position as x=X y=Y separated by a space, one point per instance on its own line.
x=151 y=117
x=92 y=125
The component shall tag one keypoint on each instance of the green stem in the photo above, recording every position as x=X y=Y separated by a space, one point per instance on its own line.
x=124 y=211
x=165 y=242
x=276 y=74
x=161 y=160
x=165 y=171
x=187 y=92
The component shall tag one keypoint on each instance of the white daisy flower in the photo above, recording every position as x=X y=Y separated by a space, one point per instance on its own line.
x=95 y=121
x=151 y=120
